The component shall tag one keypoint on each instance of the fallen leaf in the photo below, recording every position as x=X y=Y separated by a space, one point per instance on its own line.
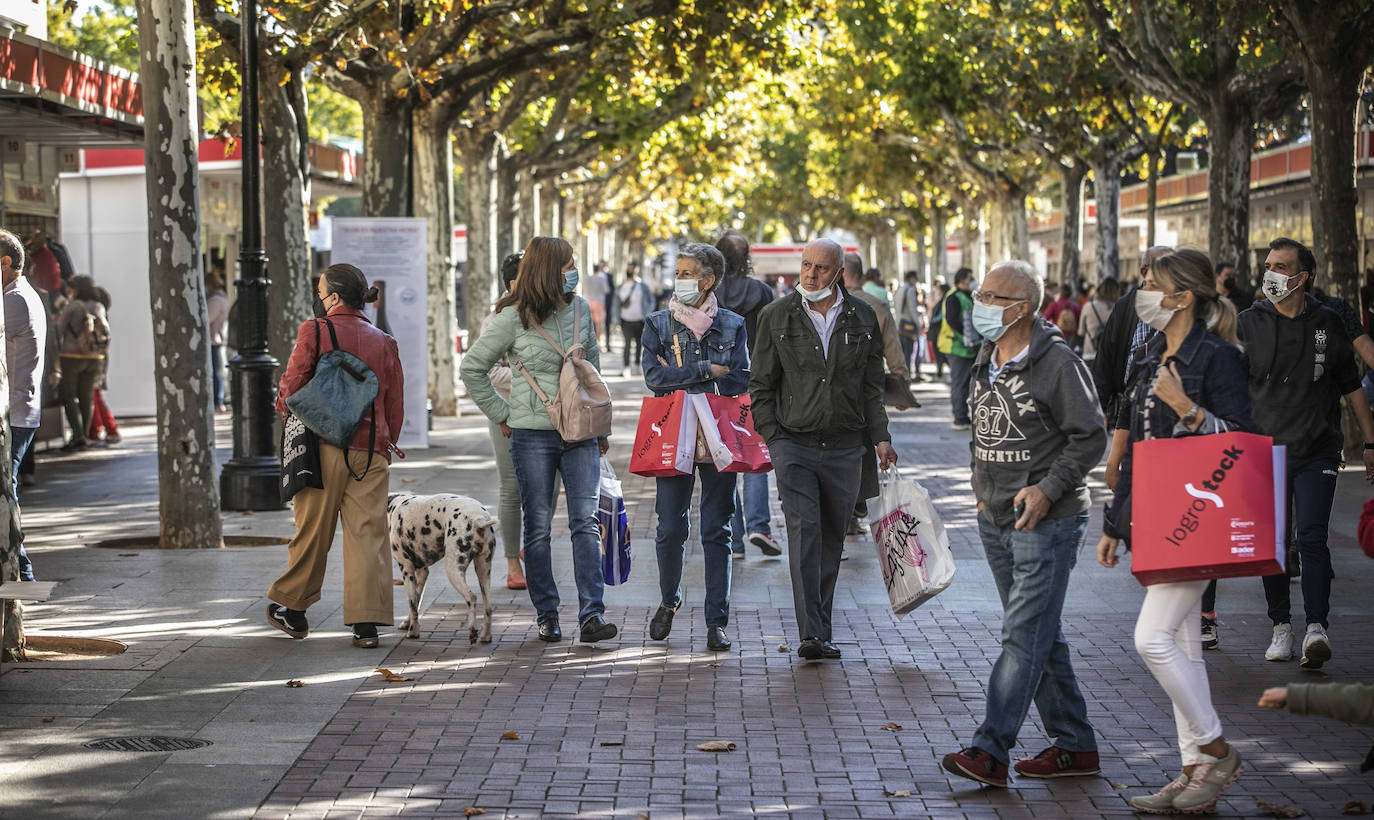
x=641 y=816
x=1120 y=786
x=1354 y=807
x=81 y=536
x=246 y=512
x=49 y=719
x=716 y=746
x=891 y=727
x=1279 y=809
x=473 y=811
x=510 y=734
x=246 y=527
x=128 y=555
x=782 y=647
x=252 y=720
x=896 y=792
x=407 y=481
x=295 y=684
x=612 y=743
x=398 y=583
x=392 y=677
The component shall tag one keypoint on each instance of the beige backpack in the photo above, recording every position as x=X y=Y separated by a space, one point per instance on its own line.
x=582 y=408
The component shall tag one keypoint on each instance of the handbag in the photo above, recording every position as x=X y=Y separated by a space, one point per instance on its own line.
x=340 y=392
x=913 y=547
x=665 y=440
x=727 y=424
x=614 y=524
x=1210 y=506
x=300 y=458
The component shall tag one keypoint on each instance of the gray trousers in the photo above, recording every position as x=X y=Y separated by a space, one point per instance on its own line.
x=818 y=489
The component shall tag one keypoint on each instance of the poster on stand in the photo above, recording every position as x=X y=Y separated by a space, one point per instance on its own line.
x=391 y=253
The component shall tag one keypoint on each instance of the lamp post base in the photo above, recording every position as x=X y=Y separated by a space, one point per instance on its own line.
x=255 y=485
x=251 y=480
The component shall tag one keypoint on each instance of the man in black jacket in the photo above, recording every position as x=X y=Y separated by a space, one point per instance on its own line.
x=1301 y=362
x=816 y=384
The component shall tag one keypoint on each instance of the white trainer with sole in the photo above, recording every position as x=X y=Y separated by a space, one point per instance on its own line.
x=1316 y=647
x=1281 y=647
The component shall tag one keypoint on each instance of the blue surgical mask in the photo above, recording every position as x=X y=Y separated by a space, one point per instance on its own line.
x=987 y=320
x=570 y=281
x=686 y=291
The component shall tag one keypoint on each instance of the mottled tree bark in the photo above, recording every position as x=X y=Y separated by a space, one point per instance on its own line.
x=507 y=207
x=286 y=203
x=433 y=177
x=1107 y=192
x=940 y=239
x=386 y=156
x=477 y=154
x=188 y=487
x=528 y=219
x=1229 y=135
x=1071 y=235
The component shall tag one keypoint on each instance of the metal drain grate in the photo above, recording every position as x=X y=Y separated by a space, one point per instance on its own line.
x=146 y=743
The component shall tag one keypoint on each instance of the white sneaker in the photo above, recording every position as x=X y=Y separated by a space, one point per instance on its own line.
x=1281 y=647
x=1316 y=647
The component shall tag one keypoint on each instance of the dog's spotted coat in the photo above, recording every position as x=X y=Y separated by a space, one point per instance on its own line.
x=425 y=528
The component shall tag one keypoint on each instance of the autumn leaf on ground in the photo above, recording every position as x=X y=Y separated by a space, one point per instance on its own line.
x=896 y=792
x=407 y=481
x=782 y=647
x=398 y=583
x=1354 y=807
x=49 y=719
x=716 y=746
x=473 y=811
x=391 y=677
x=510 y=734
x=891 y=727
x=1279 y=809
x=295 y=684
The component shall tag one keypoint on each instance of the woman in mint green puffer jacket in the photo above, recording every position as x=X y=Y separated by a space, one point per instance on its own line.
x=542 y=296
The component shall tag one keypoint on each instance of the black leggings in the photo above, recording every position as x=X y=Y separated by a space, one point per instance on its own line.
x=634 y=333
x=1209 y=597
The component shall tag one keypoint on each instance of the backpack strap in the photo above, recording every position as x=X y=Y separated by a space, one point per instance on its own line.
x=333 y=337
x=371 y=443
x=519 y=365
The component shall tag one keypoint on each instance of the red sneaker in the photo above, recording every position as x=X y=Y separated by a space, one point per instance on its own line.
x=976 y=764
x=1057 y=762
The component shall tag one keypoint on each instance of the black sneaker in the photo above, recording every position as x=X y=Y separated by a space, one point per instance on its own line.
x=290 y=621
x=365 y=636
x=596 y=629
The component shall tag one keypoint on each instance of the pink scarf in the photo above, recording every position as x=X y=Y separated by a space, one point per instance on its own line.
x=697 y=320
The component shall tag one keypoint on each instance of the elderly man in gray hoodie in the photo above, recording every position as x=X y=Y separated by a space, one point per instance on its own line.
x=1037 y=431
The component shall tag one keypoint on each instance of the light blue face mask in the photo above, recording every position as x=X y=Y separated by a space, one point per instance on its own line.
x=570 y=281
x=686 y=291
x=987 y=319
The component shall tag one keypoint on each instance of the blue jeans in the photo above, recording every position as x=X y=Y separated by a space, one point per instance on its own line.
x=673 y=505
x=1311 y=491
x=960 y=371
x=21 y=439
x=1031 y=569
x=537 y=455
x=753 y=511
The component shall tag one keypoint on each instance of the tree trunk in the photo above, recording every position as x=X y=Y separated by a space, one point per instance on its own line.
x=1335 y=234
x=477 y=152
x=528 y=214
x=1228 y=185
x=918 y=248
x=939 y=239
x=11 y=535
x=433 y=178
x=1011 y=240
x=1107 y=192
x=507 y=209
x=1071 y=236
x=188 y=487
x=889 y=253
x=1151 y=195
x=286 y=203
x=974 y=256
x=386 y=155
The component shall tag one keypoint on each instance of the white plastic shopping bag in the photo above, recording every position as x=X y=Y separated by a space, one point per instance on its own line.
x=913 y=548
x=615 y=528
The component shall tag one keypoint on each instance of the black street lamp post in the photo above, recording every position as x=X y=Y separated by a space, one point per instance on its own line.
x=252 y=478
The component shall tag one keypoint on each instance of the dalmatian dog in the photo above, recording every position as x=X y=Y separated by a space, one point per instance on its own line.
x=425 y=528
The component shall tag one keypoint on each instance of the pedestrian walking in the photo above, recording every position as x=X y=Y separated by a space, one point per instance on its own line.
x=103 y=431
x=217 y=305
x=539 y=308
x=739 y=292
x=635 y=300
x=1096 y=312
x=355 y=481
x=83 y=331
x=595 y=290
x=1040 y=431
x=697 y=346
x=1188 y=380
x=910 y=317
x=959 y=342
x=817 y=388
x=1300 y=362
x=26 y=334
x=936 y=305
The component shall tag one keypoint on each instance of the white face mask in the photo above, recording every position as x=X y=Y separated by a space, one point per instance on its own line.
x=686 y=291
x=1149 y=307
x=814 y=295
x=1276 y=287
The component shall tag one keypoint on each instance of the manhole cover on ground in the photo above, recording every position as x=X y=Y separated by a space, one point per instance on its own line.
x=67 y=648
x=146 y=743
x=149 y=542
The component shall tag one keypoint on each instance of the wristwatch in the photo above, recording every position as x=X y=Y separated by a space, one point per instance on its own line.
x=1190 y=418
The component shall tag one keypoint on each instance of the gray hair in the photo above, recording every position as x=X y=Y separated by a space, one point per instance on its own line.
x=11 y=246
x=710 y=260
x=1032 y=285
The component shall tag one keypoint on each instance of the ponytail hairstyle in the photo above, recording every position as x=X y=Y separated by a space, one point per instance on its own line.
x=538 y=290
x=350 y=285
x=1191 y=270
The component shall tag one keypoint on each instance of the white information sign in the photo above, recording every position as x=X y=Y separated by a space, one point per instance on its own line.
x=392 y=251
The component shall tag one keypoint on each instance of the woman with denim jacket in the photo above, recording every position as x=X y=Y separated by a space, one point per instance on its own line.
x=1189 y=381
x=697 y=346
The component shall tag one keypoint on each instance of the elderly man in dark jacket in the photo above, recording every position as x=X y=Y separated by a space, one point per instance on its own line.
x=817 y=390
x=1038 y=430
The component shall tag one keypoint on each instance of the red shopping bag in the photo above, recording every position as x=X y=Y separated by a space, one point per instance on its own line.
x=1207 y=507
x=728 y=426
x=665 y=442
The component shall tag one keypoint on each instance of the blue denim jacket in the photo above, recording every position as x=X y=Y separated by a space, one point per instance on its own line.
x=724 y=344
x=1213 y=376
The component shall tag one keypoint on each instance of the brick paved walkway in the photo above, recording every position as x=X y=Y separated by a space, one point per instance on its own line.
x=609 y=730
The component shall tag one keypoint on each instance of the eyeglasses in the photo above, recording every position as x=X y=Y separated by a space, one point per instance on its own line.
x=987 y=297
